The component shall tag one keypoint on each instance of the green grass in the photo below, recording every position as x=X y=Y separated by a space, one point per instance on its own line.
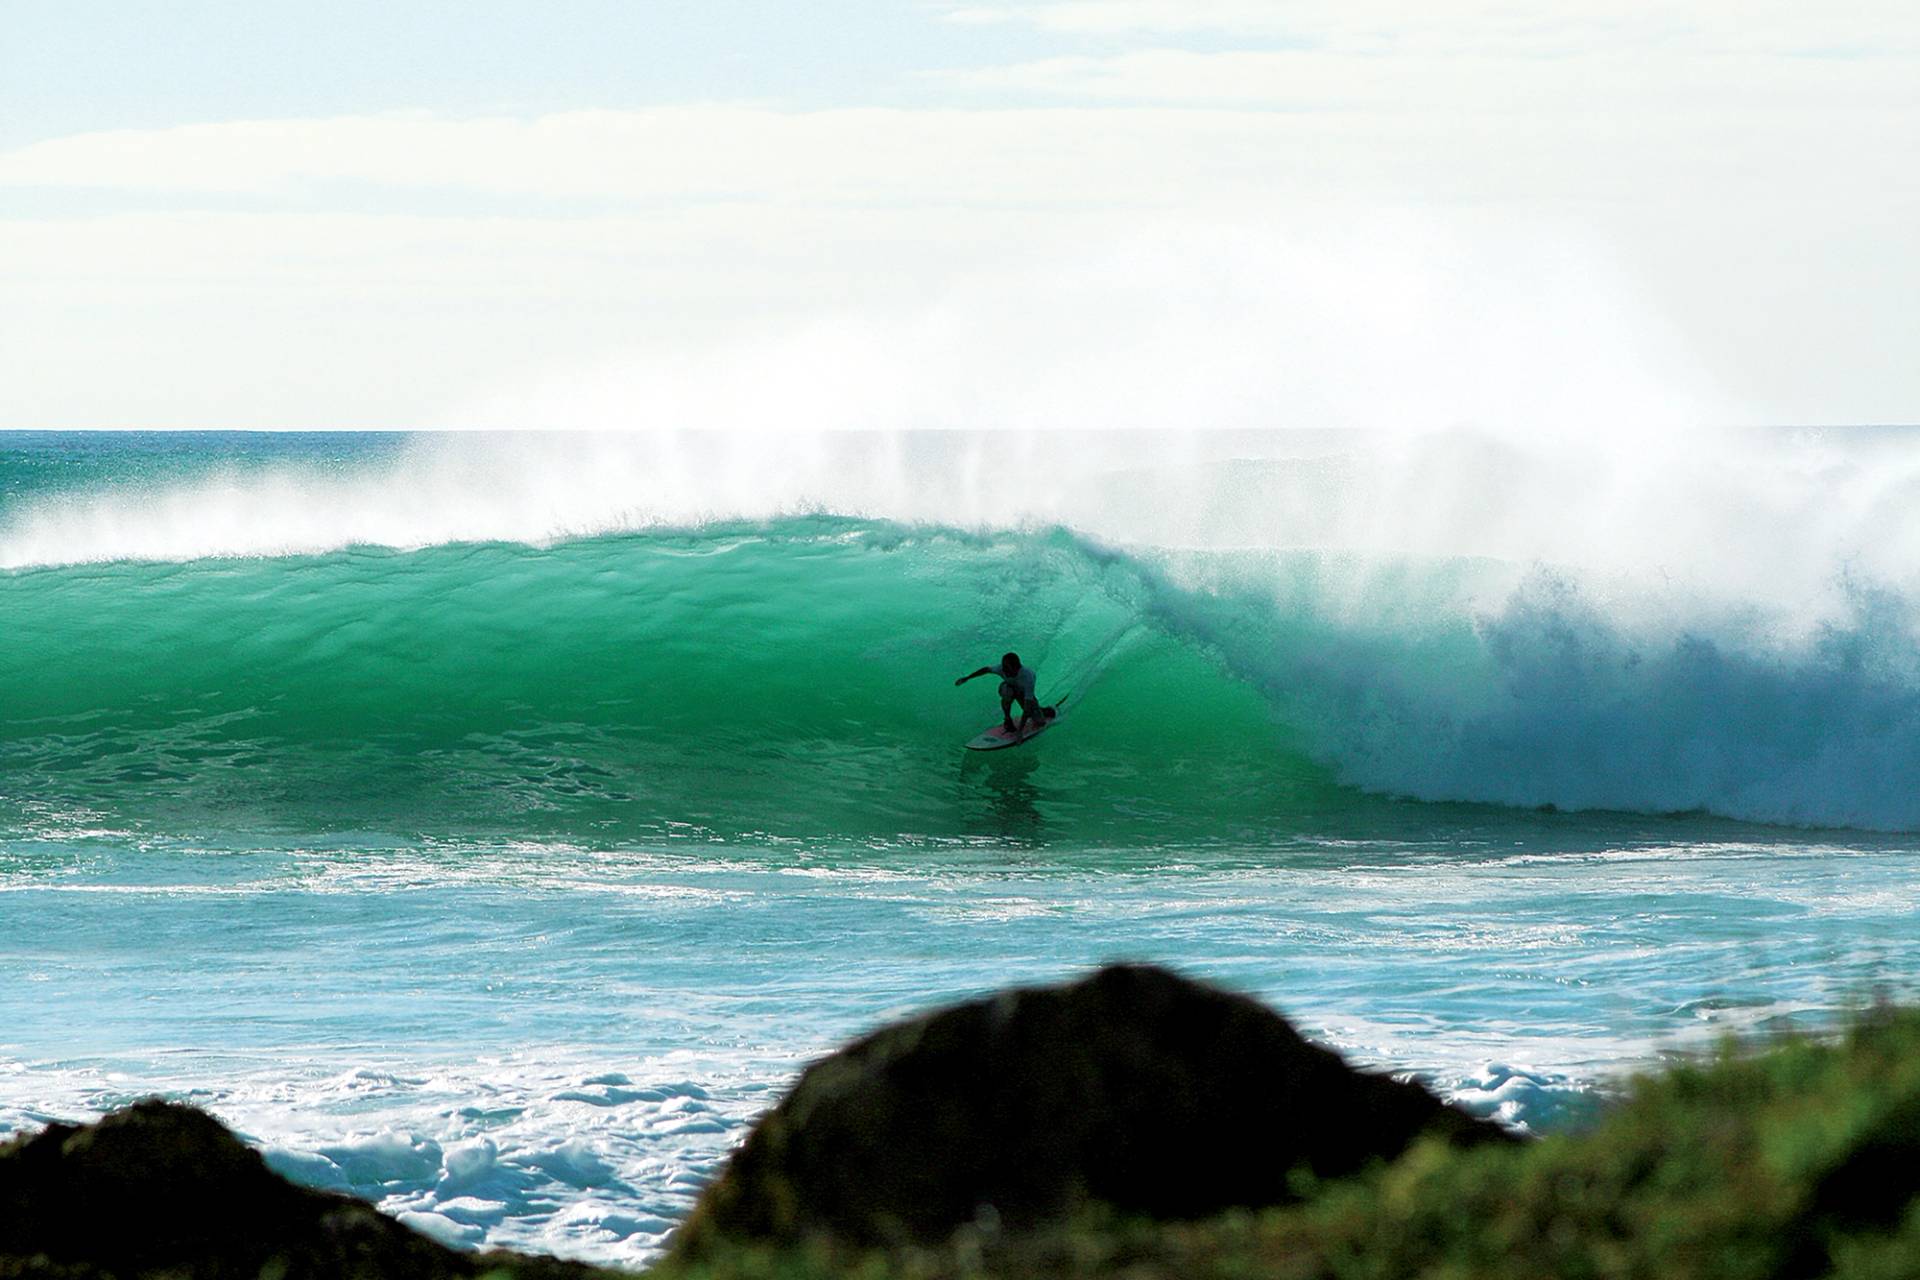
x=1801 y=1159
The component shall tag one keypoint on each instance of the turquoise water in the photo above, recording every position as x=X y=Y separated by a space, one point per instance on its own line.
x=493 y=827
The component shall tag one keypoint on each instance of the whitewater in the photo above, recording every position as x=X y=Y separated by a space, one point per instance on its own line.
x=492 y=824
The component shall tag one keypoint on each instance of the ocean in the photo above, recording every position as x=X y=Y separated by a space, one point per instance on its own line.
x=492 y=825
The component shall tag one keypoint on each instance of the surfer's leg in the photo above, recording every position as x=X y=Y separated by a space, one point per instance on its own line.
x=1029 y=712
x=1006 y=713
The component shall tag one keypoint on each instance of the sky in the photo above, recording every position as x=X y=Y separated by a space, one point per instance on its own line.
x=1593 y=217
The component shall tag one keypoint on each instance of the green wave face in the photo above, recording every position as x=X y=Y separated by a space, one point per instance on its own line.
x=792 y=678
x=791 y=681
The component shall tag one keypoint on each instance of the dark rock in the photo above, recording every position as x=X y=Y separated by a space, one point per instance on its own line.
x=1875 y=1182
x=161 y=1187
x=1135 y=1088
x=1870 y=1188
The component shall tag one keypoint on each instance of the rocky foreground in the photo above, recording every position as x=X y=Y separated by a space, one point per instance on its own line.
x=157 y=1188
x=1133 y=1124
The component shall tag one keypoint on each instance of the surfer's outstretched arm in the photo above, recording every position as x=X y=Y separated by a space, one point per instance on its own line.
x=984 y=671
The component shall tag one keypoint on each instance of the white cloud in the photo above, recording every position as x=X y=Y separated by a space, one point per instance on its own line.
x=385 y=270
x=874 y=318
x=1489 y=26
x=1618 y=89
x=680 y=156
x=1213 y=132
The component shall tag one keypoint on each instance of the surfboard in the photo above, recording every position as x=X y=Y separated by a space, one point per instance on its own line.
x=998 y=739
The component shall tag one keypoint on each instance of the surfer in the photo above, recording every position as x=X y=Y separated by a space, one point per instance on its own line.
x=1016 y=685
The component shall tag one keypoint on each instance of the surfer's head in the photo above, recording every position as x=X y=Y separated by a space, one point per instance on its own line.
x=1009 y=663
